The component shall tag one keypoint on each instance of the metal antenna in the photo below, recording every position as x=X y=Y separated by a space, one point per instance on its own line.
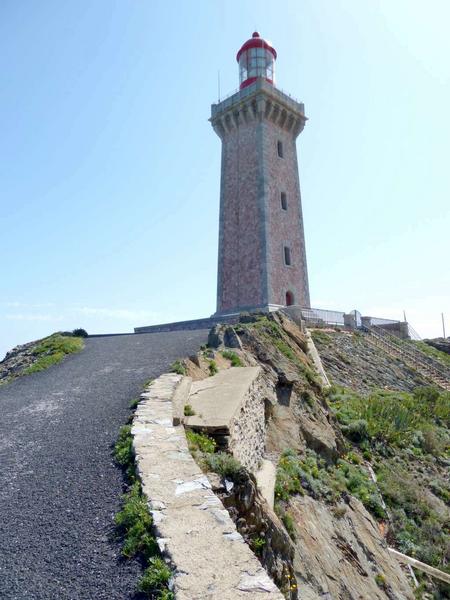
x=443 y=324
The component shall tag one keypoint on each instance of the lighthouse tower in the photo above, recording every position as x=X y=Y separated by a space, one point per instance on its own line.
x=262 y=258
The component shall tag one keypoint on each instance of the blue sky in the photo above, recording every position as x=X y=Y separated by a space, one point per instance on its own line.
x=110 y=170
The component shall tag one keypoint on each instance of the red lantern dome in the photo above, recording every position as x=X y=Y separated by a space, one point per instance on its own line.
x=256 y=59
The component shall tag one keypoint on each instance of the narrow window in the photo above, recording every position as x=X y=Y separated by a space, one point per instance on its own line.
x=280 y=148
x=283 y=201
x=287 y=255
x=289 y=298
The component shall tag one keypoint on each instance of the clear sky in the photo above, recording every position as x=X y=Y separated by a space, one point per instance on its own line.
x=110 y=171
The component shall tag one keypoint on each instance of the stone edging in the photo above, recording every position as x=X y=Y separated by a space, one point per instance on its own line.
x=195 y=533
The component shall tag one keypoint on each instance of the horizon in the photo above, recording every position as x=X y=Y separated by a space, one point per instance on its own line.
x=111 y=170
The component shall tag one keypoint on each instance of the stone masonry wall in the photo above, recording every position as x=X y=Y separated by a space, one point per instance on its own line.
x=285 y=226
x=240 y=252
x=247 y=430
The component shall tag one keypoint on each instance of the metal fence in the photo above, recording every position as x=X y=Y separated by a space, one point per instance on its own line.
x=336 y=318
x=323 y=317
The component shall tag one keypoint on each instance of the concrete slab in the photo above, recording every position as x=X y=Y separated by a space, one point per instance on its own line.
x=265 y=479
x=217 y=400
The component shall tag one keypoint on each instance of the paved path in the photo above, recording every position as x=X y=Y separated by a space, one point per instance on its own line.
x=59 y=488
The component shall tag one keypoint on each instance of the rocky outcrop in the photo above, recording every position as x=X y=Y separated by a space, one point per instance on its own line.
x=341 y=554
x=17 y=361
x=442 y=344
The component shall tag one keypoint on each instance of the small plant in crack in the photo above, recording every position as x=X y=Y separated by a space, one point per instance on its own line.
x=188 y=410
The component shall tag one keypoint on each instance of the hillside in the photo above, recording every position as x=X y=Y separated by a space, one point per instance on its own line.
x=360 y=466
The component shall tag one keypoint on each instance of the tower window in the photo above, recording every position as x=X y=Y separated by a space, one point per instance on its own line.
x=280 y=148
x=287 y=256
x=283 y=200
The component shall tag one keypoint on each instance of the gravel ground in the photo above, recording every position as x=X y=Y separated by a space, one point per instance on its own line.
x=59 y=488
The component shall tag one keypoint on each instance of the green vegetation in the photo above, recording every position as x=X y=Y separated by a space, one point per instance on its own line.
x=135 y=525
x=212 y=368
x=223 y=464
x=233 y=358
x=311 y=474
x=52 y=350
x=288 y=522
x=392 y=417
x=432 y=352
x=321 y=337
x=134 y=403
x=272 y=333
x=178 y=367
x=188 y=410
x=123 y=451
x=380 y=580
x=200 y=442
x=155 y=578
x=421 y=526
x=406 y=438
x=134 y=522
x=257 y=544
x=80 y=332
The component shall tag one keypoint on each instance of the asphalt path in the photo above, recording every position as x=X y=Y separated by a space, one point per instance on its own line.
x=59 y=486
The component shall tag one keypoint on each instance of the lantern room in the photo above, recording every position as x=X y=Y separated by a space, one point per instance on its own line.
x=256 y=59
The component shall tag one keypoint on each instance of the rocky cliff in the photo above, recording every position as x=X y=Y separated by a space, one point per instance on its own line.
x=359 y=468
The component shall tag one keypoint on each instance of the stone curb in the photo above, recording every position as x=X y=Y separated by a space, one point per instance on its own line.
x=194 y=531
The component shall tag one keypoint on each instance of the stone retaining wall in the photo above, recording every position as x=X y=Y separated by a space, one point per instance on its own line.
x=195 y=533
x=248 y=430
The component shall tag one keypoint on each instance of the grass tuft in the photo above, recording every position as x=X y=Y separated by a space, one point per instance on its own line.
x=233 y=358
x=200 y=442
x=178 y=367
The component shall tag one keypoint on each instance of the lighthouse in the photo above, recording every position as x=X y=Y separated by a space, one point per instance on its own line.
x=262 y=257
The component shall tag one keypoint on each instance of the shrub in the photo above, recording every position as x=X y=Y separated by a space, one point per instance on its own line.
x=135 y=522
x=356 y=431
x=233 y=358
x=287 y=481
x=123 y=450
x=288 y=522
x=188 y=410
x=212 y=368
x=257 y=544
x=155 y=577
x=200 y=441
x=297 y=475
x=223 y=464
x=80 y=332
x=380 y=580
x=178 y=367
x=308 y=397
